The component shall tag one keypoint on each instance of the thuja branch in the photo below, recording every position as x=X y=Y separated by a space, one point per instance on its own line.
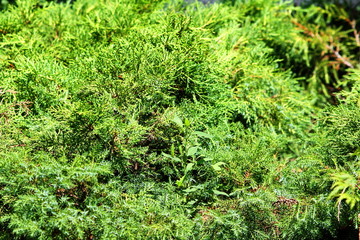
x=338 y=56
x=334 y=51
x=356 y=33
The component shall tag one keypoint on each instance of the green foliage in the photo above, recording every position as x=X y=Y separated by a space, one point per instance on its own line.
x=127 y=119
x=323 y=42
x=345 y=187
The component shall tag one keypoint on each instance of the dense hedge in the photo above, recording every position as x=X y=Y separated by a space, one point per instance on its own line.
x=143 y=119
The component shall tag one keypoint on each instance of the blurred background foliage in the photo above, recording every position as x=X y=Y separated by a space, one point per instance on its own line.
x=139 y=119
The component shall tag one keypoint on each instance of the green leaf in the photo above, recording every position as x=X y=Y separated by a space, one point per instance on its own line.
x=189 y=167
x=192 y=151
x=217 y=165
x=220 y=193
x=166 y=155
x=180 y=182
x=178 y=121
x=176 y=159
x=187 y=122
x=202 y=134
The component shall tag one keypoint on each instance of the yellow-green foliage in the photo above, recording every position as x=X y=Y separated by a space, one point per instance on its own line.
x=140 y=119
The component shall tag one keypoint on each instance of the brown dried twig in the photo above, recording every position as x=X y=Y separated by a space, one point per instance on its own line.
x=356 y=33
x=330 y=48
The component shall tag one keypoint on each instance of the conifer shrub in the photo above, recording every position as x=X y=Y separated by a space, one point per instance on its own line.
x=125 y=119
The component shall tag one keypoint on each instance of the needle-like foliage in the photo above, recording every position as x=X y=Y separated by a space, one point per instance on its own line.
x=141 y=119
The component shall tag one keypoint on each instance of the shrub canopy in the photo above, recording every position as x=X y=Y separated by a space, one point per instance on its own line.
x=139 y=119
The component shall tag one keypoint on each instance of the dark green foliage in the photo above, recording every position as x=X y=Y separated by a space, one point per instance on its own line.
x=126 y=119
